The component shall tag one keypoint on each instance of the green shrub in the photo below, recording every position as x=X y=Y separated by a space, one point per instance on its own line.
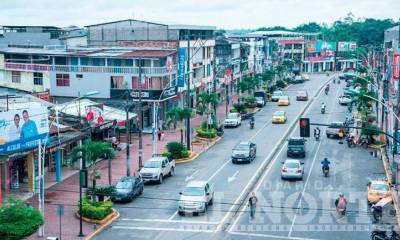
x=211 y=133
x=97 y=210
x=17 y=221
x=240 y=107
x=101 y=190
x=175 y=149
x=167 y=154
x=204 y=125
x=233 y=110
x=185 y=153
x=280 y=84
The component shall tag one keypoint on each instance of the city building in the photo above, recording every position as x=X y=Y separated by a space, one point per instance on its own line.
x=30 y=36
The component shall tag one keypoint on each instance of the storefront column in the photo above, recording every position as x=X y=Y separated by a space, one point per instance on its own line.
x=31 y=171
x=58 y=165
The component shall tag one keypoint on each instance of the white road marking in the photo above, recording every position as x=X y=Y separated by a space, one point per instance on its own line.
x=309 y=173
x=270 y=236
x=188 y=178
x=230 y=179
x=243 y=210
x=173 y=215
x=163 y=229
x=167 y=221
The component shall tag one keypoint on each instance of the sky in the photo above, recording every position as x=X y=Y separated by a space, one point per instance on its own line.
x=226 y=14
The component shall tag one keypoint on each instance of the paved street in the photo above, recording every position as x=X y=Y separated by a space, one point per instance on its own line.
x=291 y=206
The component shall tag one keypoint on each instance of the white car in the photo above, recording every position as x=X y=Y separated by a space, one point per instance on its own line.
x=156 y=168
x=276 y=95
x=292 y=169
x=196 y=197
x=344 y=100
x=233 y=120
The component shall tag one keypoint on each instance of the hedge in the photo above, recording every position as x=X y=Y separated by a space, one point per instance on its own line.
x=204 y=133
x=17 y=221
x=176 y=150
x=97 y=210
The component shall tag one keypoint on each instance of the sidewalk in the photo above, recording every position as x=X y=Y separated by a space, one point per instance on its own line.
x=67 y=192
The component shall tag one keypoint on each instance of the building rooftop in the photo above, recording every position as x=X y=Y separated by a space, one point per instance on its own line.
x=281 y=32
x=124 y=20
x=191 y=27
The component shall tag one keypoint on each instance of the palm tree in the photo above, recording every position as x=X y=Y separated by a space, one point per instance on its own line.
x=205 y=103
x=176 y=115
x=90 y=152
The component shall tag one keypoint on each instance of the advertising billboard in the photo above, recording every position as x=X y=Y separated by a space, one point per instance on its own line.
x=181 y=66
x=347 y=46
x=22 y=129
x=396 y=66
x=94 y=115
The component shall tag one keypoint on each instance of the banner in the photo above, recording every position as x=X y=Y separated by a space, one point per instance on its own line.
x=181 y=66
x=94 y=115
x=347 y=46
x=396 y=66
x=22 y=129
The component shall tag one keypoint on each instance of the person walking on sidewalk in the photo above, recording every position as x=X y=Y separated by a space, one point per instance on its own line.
x=159 y=133
x=252 y=204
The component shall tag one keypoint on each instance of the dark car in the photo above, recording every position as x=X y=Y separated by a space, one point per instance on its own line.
x=244 y=152
x=296 y=147
x=127 y=188
x=302 y=96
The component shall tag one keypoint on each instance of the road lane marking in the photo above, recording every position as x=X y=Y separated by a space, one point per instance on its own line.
x=173 y=215
x=230 y=179
x=163 y=229
x=270 y=236
x=311 y=169
x=167 y=221
x=188 y=178
x=271 y=164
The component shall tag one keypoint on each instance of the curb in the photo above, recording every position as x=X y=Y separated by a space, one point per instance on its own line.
x=198 y=154
x=102 y=227
x=287 y=87
x=262 y=168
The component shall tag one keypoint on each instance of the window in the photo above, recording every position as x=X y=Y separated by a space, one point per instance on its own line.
x=62 y=80
x=37 y=78
x=16 y=77
x=117 y=82
x=79 y=75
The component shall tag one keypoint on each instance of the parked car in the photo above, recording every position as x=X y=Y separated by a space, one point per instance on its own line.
x=298 y=79
x=296 y=147
x=305 y=77
x=377 y=189
x=302 y=96
x=233 y=120
x=345 y=100
x=334 y=128
x=292 y=169
x=279 y=117
x=196 y=197
x=244 y=152
x=276 y=95
x=261 y=98
x=127 y=188
x=156 y=168
x=284 y=101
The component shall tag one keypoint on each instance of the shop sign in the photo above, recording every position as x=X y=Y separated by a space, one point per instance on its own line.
x=22 y=129
x=181 y=66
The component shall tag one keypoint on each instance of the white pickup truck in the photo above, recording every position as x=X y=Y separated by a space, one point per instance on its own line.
x=156 y=168
x=196 y=197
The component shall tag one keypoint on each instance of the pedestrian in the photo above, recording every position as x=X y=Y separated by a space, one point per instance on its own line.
x=162 y=135
x=159 y=133
x=252 y=204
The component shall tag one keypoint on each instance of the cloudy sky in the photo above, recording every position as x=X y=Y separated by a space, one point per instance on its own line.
x=229 y=14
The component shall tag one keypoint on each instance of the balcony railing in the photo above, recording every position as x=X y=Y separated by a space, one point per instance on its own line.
x=91 y=69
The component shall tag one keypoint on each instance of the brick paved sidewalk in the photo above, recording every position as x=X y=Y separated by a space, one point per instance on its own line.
x=67 y=192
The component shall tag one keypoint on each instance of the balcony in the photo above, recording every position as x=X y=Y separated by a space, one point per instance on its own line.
x=150 y=71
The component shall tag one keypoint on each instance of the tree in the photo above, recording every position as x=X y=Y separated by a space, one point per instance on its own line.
x=91 y=152
x=206 y=103
x=275 y=28
x=177 y=114
x=311 y=27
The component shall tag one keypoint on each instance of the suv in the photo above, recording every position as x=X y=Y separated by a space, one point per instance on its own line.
x=260 y=97
x=233 y=120
x=196 y=197
x=296 y=147
x=298 y=79
x=244 y=151
x=156 y=168
x=333 y=129
x=345 y=100
x=127 y=188
x=276 y=95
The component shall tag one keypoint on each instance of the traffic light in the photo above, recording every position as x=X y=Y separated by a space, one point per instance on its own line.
x=304 y=127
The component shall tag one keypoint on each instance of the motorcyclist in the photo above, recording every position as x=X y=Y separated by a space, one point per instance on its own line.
x=341 y=202
x=325 y=163
x=323 y=107
x=334 y=79
x=326 y=90
x=252 y=122
x=317 y=132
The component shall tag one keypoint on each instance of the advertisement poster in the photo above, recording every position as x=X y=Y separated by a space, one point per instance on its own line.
x=181 y=63
x=347 y=46
x=22 y=129
x=94 y=115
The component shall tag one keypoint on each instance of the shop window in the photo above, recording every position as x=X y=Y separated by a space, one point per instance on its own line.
x=62 y=80
x=37 y=78
x=117 y=82
x=16 y=77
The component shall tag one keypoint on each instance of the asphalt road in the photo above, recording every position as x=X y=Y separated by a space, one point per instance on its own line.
x=291 y=206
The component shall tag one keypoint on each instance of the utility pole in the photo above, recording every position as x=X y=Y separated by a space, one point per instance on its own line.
x=128 y=139
x=140 y=114
x=188 y=130
x=396 y=125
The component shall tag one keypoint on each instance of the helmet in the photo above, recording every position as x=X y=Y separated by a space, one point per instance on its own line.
x=341 y=195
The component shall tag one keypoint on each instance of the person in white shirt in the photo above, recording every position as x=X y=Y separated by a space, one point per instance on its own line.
x=14 y=130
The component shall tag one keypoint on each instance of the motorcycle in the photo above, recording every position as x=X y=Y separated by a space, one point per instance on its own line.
x=325 y=171
x=316 y=137
x=251 y=124
x=341 y=211
x=326 y=91
x=381 y=235
x=350 y=141
x=323 y=110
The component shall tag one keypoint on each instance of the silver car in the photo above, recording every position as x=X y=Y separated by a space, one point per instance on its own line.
x=292 y=169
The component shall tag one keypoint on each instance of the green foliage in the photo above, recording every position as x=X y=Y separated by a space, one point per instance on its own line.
x=370 y=131
x=280 y=84
x=167 y=154
x=101 y=190
x=233 y=110
x=267 y=76
x=205 y=102
x=249 y=102
x=176 y=150
x=204 y=125
x=311 y=27
x=185 y=154
x=177 y=114
x=275 y=28
x=248 y=84
x=17 y=221
x=204 y=133
x=240 y=107
x=95 y=211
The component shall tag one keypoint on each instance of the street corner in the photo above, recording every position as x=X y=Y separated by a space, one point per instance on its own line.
x=103 y=223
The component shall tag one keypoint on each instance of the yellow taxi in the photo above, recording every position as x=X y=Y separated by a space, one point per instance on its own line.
x=377 y=190
x=305 y=77
x=279 y=117
x=284 y=101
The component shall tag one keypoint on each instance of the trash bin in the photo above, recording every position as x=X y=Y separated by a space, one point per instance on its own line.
x=52 y=238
